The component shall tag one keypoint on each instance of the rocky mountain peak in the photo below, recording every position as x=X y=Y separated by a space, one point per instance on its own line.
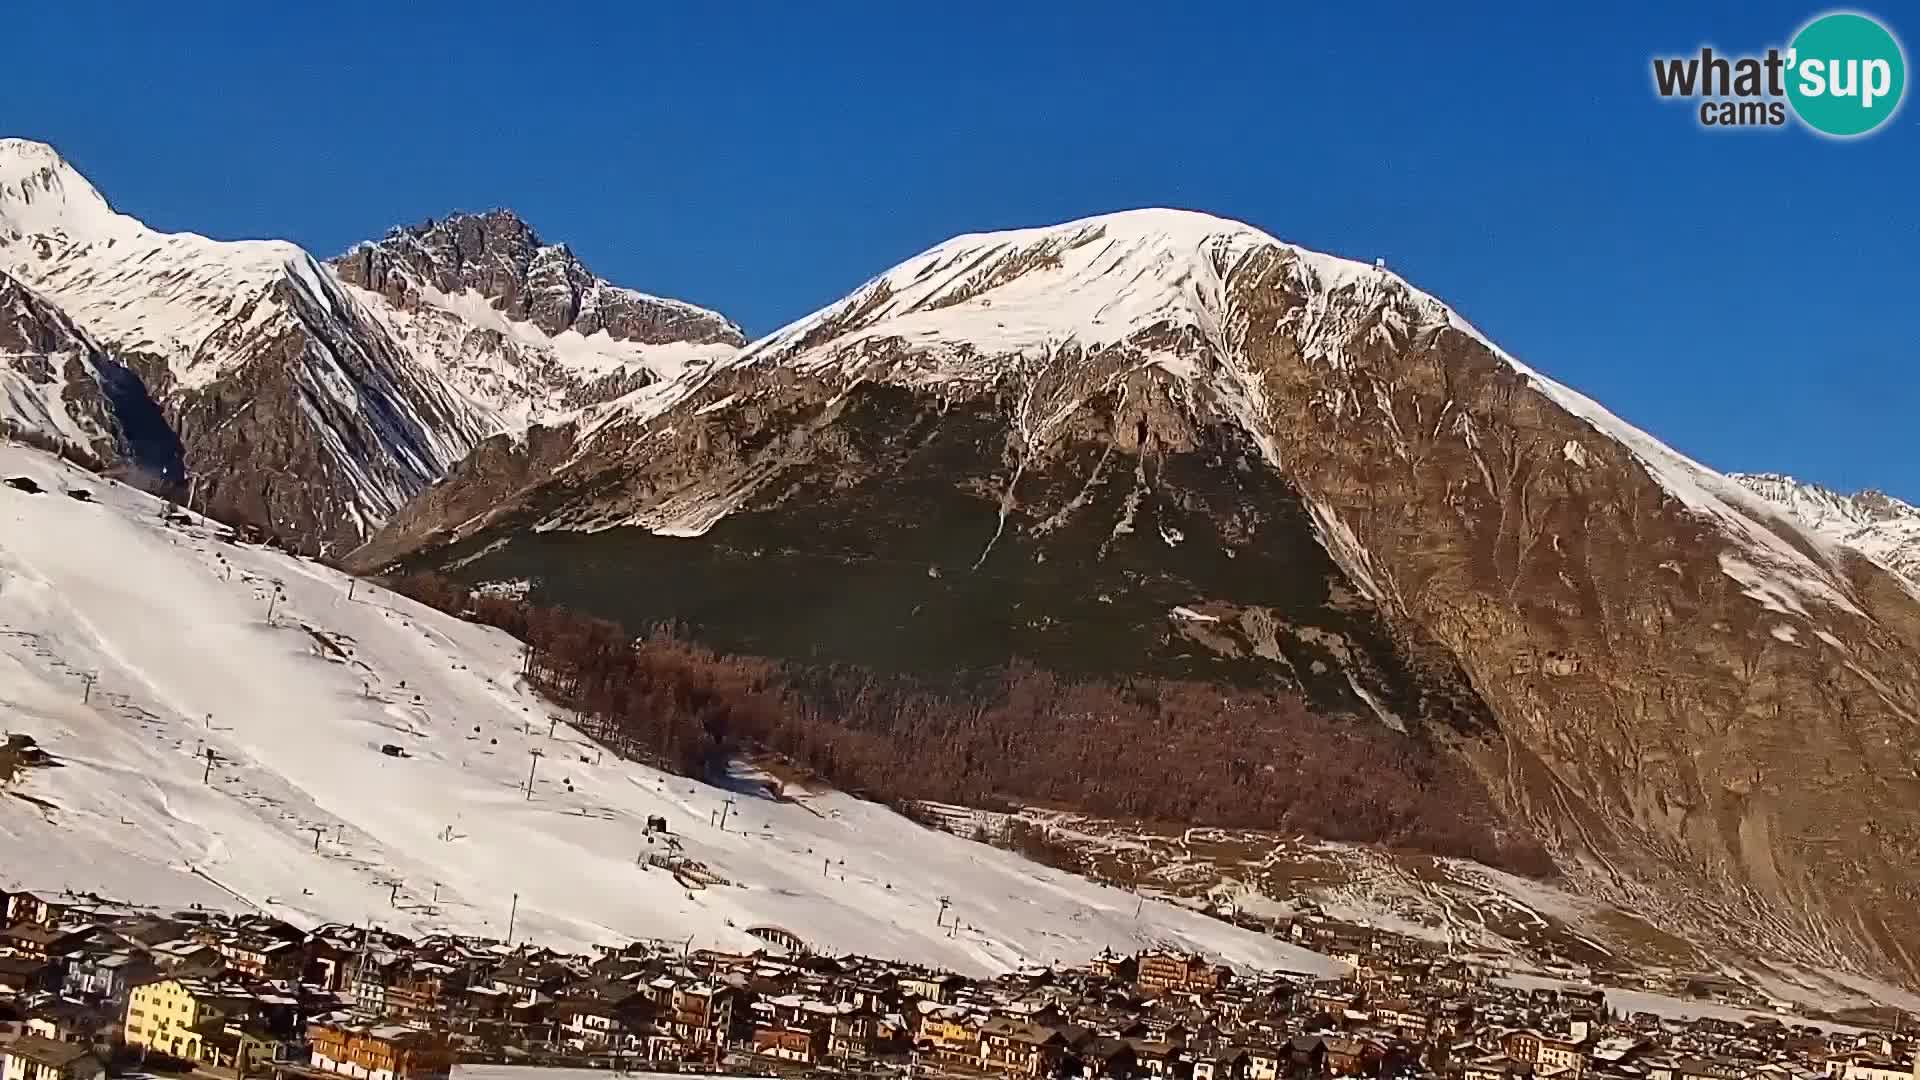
x=1877 y=525
x=500 y=258
x=1884 y=507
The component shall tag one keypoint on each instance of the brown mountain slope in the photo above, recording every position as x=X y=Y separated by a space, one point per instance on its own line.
x=1164 y=443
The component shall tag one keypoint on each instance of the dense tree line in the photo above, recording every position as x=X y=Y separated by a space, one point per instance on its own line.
x=1149 y=749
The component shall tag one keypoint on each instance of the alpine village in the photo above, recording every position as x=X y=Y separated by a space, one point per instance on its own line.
x=92 y=987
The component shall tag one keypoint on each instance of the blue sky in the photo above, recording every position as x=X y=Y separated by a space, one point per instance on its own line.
x=1749 y=297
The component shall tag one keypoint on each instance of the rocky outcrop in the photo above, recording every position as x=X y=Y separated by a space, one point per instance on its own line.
x=59 y=387
x=501 y=258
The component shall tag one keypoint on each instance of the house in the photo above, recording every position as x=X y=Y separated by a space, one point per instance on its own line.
x=1152 y=1057
x=74 y=1021
x=414 y=990
x=1348 y=945
x=382 y=1052
x=1330 y=999
x=244 y=1047
x=13 y=1019
x=171 y=1016
x=1113 y=965
x=855 y=1033
x=876 y=994
x=1452 y=977
x=329 y=957
x=1303 y=1054
x=147 y=931
x=37 y=942
x=1449 y=1019
x=105 y=977
x=33 y=908
x=1521 y=1044
x=1105 y=1058
x=368 y=979
x=1658 y=1066
x=260 y=956
x=1017 y=1048
x=1267 y=1062
x=1177 y=972
x=949 y=1034
x=1222 y=1063
x=940 y=988
x=1566 y=1057
x=1617 y=1050
x=186 y=953
x=529 y=981
x=31 y=1057
x=703 y=1015
x=596 y=1025
x=25 y=975
x=1406 y=1019
x=484 y=1003
x=1352 y=1057
x=804 y=1045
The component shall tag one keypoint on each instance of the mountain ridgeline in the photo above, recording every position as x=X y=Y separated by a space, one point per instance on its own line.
x=307 y=399
x=1049 y=495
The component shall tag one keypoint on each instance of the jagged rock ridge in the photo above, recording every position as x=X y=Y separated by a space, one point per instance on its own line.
x=521 y=326
x=1876 y=524
x=501 y=258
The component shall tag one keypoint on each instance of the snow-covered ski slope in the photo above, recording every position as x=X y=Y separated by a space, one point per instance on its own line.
x=304 y=815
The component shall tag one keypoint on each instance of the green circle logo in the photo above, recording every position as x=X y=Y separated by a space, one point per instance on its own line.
x=1846 y=74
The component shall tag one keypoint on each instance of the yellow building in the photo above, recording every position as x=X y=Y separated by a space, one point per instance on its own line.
x=165 y=1017
x=950 y=1033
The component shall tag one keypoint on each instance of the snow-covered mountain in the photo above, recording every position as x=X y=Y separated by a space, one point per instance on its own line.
x=1159 y=442
x=57 y=383
x=308 y=405
x=1876 y=524
x=290 y=678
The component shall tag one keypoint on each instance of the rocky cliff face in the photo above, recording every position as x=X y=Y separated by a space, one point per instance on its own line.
x=59 y=386
x=1167 y=443
x=306 y=404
